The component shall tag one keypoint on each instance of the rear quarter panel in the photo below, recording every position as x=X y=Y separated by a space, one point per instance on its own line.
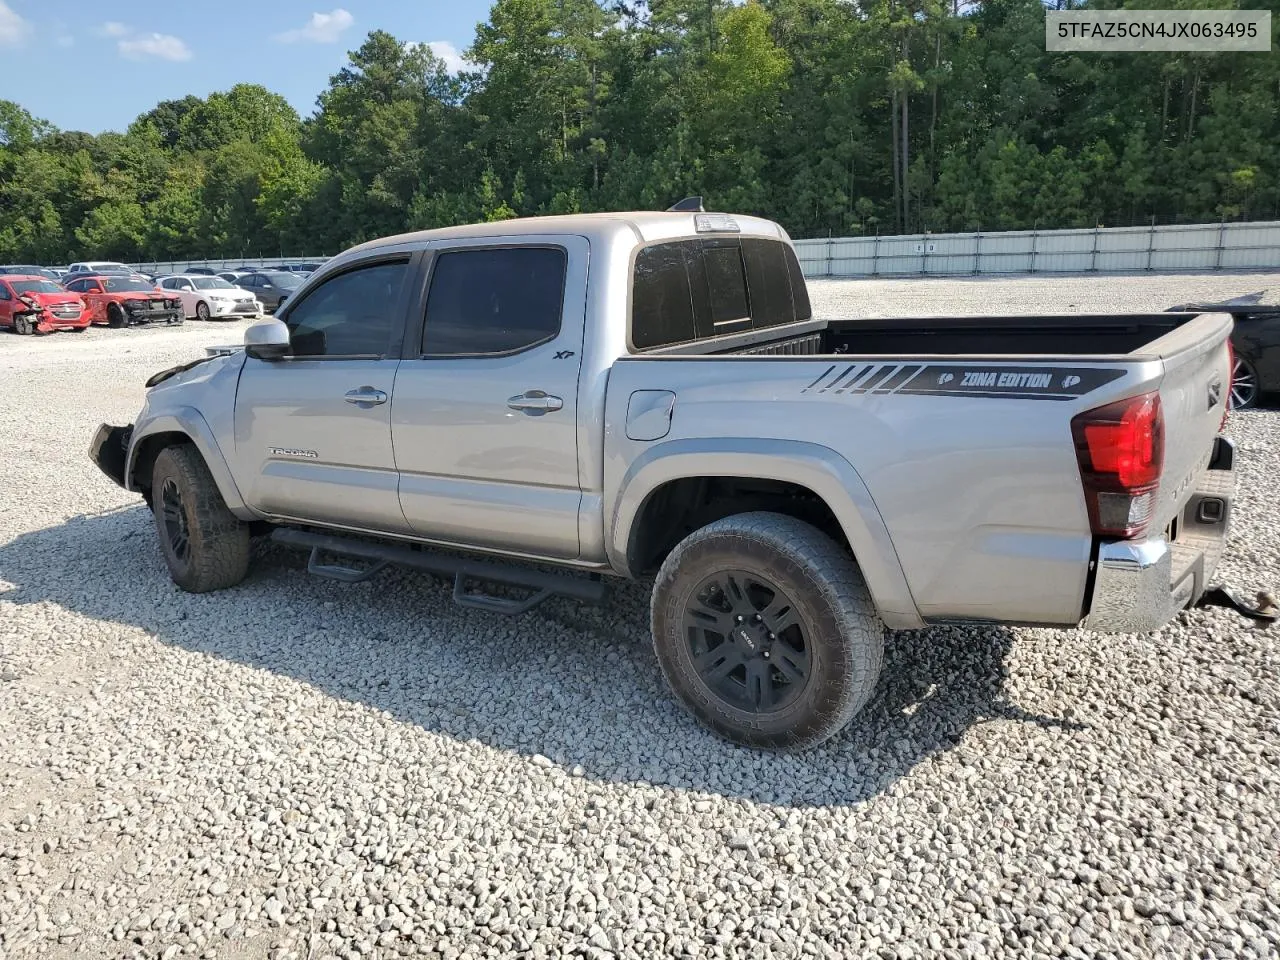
x=977 y=485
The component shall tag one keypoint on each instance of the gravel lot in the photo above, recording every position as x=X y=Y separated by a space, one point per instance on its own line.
x=296 y=768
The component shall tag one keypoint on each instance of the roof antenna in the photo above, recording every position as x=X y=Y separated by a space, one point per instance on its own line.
x=688 y=205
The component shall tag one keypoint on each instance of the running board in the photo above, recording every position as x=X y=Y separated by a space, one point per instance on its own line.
x=590 y=589
x=1264 y=614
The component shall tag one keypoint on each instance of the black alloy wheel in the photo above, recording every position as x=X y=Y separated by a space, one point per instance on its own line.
x=747 y=642
x=176 y=527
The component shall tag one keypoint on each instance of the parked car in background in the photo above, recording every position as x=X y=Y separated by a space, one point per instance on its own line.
x=98 y=266
x=271 y=287
x=1255 y=339
x=122 y=300
x=211 y=297
x=30 y=270
x=205 y=271
x=35 y=304
x=298 y=267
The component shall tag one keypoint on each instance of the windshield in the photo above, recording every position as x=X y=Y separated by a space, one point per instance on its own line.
x=210 y=283
x=35 y=286
x=126 y=284
x=287 y=280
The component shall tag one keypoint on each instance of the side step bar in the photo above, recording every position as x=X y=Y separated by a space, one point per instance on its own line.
x=544 y=585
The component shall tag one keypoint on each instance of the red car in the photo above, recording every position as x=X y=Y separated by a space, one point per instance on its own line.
x=32 y=304
x=121 y=299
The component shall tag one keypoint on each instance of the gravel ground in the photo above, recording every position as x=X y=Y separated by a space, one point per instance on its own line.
x=296 y=768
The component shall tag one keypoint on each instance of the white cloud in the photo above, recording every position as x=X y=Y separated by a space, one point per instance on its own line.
x=321 y=28
x=161 y=46
x=13 y=29
x=446 y=51
x=113 y=28
x=65 y=40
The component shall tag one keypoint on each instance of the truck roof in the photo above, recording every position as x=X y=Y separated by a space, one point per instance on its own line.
x=645 y=225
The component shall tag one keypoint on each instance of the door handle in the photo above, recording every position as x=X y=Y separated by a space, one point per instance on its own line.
x=535 y=401
x=365 y=395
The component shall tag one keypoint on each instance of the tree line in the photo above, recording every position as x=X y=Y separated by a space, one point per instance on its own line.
x=832 y=117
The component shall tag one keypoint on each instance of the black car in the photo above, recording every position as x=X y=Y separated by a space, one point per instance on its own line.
x=203 y=271
x=271 y=287
x=1256 y=342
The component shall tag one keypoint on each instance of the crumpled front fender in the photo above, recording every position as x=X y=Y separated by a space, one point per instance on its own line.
x=188 y=422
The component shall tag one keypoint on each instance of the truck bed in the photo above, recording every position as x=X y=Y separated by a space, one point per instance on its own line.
x=1046 y=335
x=960 y=428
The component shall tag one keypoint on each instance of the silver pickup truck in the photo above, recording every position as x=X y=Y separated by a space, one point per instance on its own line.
x=649 y=394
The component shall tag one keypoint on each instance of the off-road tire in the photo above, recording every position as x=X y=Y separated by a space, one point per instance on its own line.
x=116 y=317
x=217 y=554
x=843 y=634
x=202 y=311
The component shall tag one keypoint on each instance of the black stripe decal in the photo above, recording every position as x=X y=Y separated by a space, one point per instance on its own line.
x=876 y=380
x=898 y=379
x=836 y=379
x=862 y=373
x=819 y=377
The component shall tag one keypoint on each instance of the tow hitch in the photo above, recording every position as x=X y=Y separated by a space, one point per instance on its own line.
x=1263 y=615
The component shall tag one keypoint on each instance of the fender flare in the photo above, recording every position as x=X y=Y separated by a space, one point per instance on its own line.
x=810 y=465
x=188 y=421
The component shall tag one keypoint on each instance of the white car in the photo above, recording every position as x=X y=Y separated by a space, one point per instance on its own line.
x=207 y=298
x=98 y=266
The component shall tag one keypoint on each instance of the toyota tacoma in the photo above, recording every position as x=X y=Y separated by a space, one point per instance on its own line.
x=650 y=395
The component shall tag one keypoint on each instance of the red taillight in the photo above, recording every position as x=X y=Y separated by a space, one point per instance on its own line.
x=1120 y=449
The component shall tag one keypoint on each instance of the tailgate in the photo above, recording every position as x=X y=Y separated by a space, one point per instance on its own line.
x=1194 y=392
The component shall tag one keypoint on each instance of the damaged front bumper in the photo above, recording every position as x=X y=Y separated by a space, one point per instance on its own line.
x=109 y=449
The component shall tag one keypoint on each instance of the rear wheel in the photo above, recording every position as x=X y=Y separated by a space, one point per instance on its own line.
x=1245 y=390
x=205 y=545
x=765 y=630
x=202 y=311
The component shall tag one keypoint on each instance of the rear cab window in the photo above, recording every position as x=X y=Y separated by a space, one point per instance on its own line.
x=685 y=291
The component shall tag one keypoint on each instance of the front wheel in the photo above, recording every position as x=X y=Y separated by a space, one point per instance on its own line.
x=22 y=326
x=205 y=545
x=1245 y=389
x=765 y=630
x=202 y=311
x=116 y=317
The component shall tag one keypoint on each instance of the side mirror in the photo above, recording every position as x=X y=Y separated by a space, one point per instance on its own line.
x=267 y=340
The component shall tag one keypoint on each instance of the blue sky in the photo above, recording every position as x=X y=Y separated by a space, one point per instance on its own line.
x=95 y=66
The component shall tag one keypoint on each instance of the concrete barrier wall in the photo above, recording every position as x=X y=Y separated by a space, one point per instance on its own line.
x=1171 y=249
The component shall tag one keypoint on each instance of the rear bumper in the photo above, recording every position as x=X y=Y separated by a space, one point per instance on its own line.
x=109 y=449
x=1139 y=586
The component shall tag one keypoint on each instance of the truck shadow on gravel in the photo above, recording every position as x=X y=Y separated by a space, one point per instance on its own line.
x=574 y=684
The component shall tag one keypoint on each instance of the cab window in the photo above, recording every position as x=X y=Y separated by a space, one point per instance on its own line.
x=349 y=315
